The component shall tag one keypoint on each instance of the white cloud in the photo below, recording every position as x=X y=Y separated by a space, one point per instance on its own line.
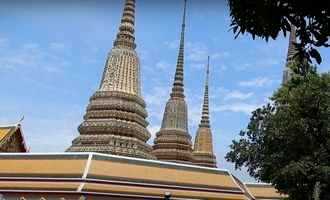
x=235 y=94
x=197 y=52
x=264 y=61
x=3 y=42
x=242 y=67
x=238 y=107
x=268 y=62
x=61 y=124
x=172 y=44
x=162 y=65
x=21 y=59
x=194 y=114
x=224 y=94
x=5 y=121
x=31 y=46
x=57 y=46
x=219 y=55
x=158 y=93
x=155 y=100
x=197 y=65
x=153 y=130
x=235 y=101
x=143 y=54
x=194 y=100
x=257 y=82
x=32 y=57
x=62 y=135
x=223 y=67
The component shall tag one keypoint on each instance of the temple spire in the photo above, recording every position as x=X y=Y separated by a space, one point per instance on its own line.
x=292 y=50
x=203 y=148
x=178 y=90
x=205 y=121
x=115 y=120
x=173 y=142
x=115 y=76
x=292 y=41
x=125 y=36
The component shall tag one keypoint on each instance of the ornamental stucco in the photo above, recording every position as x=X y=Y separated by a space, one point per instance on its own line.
x=292 y=50
x=115 y=119
x=203 y=147
x=173 y=142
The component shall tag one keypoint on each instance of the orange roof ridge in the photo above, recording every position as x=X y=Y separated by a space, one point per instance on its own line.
x=120 y=157
x=106 y=174
x=10 y=125
x=257 y=183
x=12 y=128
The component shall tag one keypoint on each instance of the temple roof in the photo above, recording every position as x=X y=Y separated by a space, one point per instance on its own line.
x=263 y=191
x=101 y=174
x=4 y=132
x=9 y=131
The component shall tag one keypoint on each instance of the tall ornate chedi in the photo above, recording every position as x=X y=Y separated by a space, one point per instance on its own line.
x=287 y=73
x=115 y=121
x=203 y=148
x=173 y=142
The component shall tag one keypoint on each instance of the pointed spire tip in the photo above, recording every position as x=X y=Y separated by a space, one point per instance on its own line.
x=178 y=89
x=125 y=36
x=205 y=119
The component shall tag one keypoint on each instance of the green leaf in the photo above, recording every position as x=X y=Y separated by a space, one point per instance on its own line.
x=316 y=55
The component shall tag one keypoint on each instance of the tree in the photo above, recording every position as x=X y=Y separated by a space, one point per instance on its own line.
x=287 y=142
x=267 y=18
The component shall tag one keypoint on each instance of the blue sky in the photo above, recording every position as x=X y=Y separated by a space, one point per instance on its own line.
x=52 y=56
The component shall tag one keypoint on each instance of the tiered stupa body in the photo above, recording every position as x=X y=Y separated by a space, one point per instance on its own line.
x=173 y=142
x=287 y=73
x=203 y=148
x=115 y=119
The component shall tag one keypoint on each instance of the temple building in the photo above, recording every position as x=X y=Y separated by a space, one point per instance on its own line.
x=287 y=73
x=111 y=159
x=203 y=146
x=95 y=176
x=115 y=121
x=263 y=191
x=12 y=139
x=173 y=142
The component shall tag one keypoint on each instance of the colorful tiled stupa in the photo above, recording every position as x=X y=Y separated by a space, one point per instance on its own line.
x=115 y=121
x=203 y=147
x=173 y=142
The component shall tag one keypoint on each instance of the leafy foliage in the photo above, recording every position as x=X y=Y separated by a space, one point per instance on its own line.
x=287 y=143
x=267 y=18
